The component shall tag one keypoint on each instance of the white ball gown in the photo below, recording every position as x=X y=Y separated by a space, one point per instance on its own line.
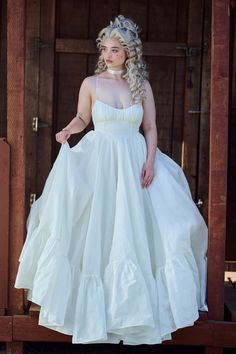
x=106 y=259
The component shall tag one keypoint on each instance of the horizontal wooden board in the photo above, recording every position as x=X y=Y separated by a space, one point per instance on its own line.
x=204 y=333
x=88 y=46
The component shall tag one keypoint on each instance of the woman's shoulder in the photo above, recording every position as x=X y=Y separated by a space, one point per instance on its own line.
x=146 y=83
x=90 y=81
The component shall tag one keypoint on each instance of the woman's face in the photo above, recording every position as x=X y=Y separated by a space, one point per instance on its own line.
x=113 y=53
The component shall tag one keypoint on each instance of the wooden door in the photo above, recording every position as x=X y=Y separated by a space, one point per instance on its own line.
x=61 y=52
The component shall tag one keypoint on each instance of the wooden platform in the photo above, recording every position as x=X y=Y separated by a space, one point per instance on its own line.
x=203 y=333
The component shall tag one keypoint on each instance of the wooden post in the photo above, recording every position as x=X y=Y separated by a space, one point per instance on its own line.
x=15 y=137
x=218 y=156
x=218 y=160
x=4 y=222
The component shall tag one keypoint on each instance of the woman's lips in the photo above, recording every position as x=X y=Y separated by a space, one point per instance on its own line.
x=109 y=61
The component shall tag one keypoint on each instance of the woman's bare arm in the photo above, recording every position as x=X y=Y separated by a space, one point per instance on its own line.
x=150 y=133
x=83 y=116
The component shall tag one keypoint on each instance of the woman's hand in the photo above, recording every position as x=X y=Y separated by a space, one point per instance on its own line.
x=147 y=174
x=63 y=136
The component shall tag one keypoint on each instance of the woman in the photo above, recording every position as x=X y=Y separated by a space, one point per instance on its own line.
x=116 y=248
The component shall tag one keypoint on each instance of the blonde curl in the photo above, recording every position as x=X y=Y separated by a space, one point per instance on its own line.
x=126 y=31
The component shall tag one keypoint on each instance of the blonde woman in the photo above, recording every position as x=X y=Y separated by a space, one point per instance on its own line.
x=116 y=248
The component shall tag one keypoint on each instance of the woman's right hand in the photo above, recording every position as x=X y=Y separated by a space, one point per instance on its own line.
x=63 y=136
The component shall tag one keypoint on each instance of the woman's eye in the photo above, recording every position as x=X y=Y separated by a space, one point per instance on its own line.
x=115 y=51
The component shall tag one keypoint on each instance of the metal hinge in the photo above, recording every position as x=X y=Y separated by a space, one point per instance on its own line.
x=36 y=124
x=32 y=198
x=199 y=203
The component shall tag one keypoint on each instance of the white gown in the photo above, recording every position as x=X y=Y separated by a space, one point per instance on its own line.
x=106 y=259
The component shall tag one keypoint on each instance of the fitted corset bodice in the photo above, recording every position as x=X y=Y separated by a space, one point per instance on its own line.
x=116 y=120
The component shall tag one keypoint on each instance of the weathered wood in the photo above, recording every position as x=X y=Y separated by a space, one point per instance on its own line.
x=32 y=34
x=15 y=137
x=179 y=86
x=46 y=90
x=5 y=328
x=203 y=154
x=192 y=94
x=140 y=14
x=218 y=157
x=204 y=333
x=231 y=202
x=88 y=46
x=162 y=28
x=72 y=18
x=3 y=67
x=4 y=221
x=71 y=67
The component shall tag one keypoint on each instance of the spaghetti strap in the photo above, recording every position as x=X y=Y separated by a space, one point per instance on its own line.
x=96 y=88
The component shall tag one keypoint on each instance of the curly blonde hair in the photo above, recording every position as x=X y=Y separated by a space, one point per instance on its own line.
x=126 y=31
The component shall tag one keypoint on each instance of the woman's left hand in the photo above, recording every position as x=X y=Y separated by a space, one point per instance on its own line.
x=147 y=174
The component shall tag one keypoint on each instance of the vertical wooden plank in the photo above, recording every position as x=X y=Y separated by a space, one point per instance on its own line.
x=46 y=88
x=71 y=68
x=3 y=71
x=218 y=156
x=231 y=199
x=162 y=19
x=4 y=222
x=100 y=16
x=15 y=136
x=73 y=18
x=192 y=94
x=137 y=11
x=32 y=35
x=179 y=84
x=204 y=124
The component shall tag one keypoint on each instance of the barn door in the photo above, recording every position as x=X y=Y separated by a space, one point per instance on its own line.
x=62 y=52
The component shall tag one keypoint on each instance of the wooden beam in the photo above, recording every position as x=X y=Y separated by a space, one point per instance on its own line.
x=5 y=328
x=4 y=221
x=218 y=156
x=203 y=333
x=88 y=46
x=15 y=137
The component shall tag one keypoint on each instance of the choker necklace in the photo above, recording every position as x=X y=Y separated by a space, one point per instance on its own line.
x=116 y=72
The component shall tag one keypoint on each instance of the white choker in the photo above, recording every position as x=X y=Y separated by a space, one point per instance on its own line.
x=116 y=72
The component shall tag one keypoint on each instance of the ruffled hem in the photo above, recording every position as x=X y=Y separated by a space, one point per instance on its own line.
x=122 y=305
